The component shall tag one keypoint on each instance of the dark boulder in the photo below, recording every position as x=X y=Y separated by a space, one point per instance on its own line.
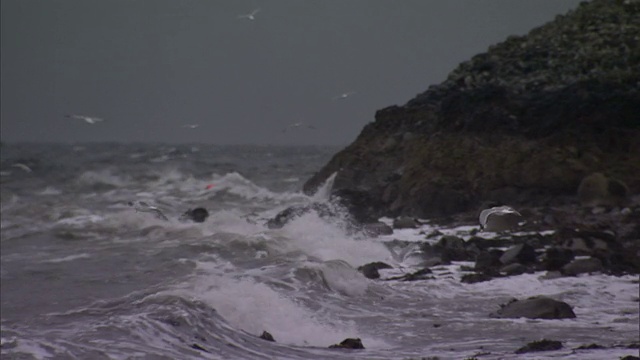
x=376 y=229
x=422 y=274
x=489 y=261
x=198 y=215
x=349 y=343
x=405 y=222
x=555 y=258
x=521 y=253
x=370 y=270
x=267 y=336
x=542 y=345
x=514 y=269
x=537 y=307
x=582 y=266
x=475 y=278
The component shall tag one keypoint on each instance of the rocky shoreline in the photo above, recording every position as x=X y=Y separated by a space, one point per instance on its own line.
x=548 y=123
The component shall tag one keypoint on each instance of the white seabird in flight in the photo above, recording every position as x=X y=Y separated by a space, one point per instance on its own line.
x=88 y=119
x=190 y=126
x=23 y=167
x=298 y=125
x=499 y=218
x=142 y=206
x=344 y=95
x=249 y=16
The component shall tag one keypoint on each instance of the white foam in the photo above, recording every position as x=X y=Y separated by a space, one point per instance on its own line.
x=50 y=190
x=326 y=241
x=68 y=258
x=254 y=307
x=105 y=177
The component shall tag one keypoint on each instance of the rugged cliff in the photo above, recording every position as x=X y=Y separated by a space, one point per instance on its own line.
x=522 y=123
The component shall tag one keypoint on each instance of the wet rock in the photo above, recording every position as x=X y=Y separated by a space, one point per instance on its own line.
x=370 y=270
x=590 y=347
x=267 y=336
x=586 y=242
x=555 y=258
x=483 y=244
x=405 y=222
x=488 y=261
x=434 y=261
x=295 y=211
x=377 y=229
x=630 y=357
x=583 y=266
x=514 y=269
x=475 y=278
x=599 y=190
x=537 y=307
x=349 y=343
x=452 y=248
x=198 y=215
x=521 y=253
x=422 y=274
x=542 y=345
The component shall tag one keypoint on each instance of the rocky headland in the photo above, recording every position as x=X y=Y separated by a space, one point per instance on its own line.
x=521 y=124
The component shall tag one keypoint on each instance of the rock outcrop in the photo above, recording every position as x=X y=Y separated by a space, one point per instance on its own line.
x=536 y=307
x=521 y=124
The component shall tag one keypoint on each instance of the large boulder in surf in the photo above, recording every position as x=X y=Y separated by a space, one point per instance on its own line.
x=536 y=307
x=522 y=123
x=349 y=343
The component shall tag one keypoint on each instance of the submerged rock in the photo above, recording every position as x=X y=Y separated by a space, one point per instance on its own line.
x=267 y=336
x=537 y=307
x=542 y=345
x=582 y=266
x=349 y=343
x=370 y=270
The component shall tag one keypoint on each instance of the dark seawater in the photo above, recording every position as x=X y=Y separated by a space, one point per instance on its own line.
x=85 y=276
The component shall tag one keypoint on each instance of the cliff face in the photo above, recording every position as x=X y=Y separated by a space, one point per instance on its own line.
x=522 y=123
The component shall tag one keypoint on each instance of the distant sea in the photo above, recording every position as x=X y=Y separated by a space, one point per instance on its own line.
x=86 y=276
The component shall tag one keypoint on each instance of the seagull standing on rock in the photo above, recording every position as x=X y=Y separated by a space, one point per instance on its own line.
x=499 y=218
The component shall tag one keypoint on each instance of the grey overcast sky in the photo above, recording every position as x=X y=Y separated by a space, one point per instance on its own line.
x=148 y=67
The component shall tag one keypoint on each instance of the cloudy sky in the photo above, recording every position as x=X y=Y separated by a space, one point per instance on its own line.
x=149 y=67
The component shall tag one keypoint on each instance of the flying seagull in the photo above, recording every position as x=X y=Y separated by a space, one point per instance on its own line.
x=190 y=126
x=500 y=218
x=250 y=16
x=344 y=95
x=298 y=125
x=88 y=119
x=142 y=206
x=23 y=167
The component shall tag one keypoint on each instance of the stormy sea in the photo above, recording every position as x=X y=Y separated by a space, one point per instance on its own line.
x=85 y=275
